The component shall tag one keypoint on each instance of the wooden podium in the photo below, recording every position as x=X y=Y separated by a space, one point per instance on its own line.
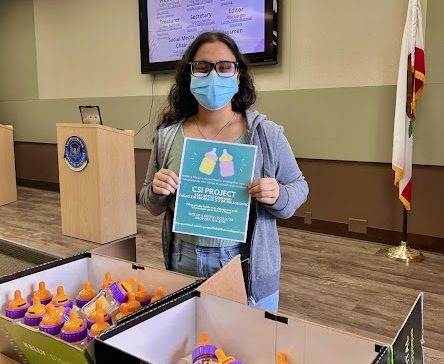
x=8 y=187
x=99 y=202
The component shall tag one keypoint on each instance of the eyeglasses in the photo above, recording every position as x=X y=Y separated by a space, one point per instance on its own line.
x=223 y=68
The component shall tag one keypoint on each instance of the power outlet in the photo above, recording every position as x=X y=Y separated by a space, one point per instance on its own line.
x=307 y=218
x=357 y=226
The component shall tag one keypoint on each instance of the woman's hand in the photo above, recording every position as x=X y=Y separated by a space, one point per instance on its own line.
x=265 y=190
x=165 y=182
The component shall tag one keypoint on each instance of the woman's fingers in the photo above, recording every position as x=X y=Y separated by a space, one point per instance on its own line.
x=165 y=182
x=265 y=190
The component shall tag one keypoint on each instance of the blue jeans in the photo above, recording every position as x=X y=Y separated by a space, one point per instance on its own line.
x=200 y=261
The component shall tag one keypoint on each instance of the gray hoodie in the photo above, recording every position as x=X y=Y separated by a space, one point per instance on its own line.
x=274 y=159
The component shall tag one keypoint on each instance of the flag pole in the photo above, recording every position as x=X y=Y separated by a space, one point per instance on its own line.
x=403 y=253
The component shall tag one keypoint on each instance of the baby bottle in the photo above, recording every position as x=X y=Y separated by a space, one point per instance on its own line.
x=123 y=311
x=99 y=311
x=205 y=353
x=132 y=304
x=17 y=307
x=85 y=295
x=223 y=359
x=52 y=322
x=74 y=330
x=226 y=164
x=45 y=295
x=35 y=312
x=160 y=293
x=110 y=297
x=142 y=295
x=282 y=359
x=208 y=162
x=61 y=299
x=98 y=327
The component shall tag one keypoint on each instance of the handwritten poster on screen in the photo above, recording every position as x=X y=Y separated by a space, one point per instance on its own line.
x=173 y=24
x=212 y=199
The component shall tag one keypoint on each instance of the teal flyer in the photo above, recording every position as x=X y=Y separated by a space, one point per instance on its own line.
x=212 y=199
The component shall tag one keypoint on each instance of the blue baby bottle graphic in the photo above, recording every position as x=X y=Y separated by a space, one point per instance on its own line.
x=208 y=162
x=226 y=164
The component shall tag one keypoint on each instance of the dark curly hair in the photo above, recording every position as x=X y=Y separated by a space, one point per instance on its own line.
x=182 y=103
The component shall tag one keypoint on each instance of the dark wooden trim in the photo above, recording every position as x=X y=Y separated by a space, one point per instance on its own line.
x=42 y=185
x=421 y=242
x=417 y=241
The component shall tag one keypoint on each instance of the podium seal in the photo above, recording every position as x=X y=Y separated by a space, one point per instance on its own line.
x=76 y=154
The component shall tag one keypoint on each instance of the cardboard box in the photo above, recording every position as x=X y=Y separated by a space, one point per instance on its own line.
x=71 y=272
x=167 y=333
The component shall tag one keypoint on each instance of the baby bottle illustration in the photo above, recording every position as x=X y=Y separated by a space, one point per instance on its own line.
x=208 y=162
x=226 y=164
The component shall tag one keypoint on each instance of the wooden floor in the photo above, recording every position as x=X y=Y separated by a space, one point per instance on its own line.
x=342 y=283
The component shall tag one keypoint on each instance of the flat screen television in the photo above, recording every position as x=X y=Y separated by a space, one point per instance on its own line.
x=167 y=27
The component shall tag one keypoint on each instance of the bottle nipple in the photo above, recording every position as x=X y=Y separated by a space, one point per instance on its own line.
x=36 y=309
x=282 y=359
x=133 y=304
x=141 y=294
x=74 y=323
x=60 y=298
x=98 y=311
x=108 y=280
x=52 y=317
x=203 y=340
x=18 y=302
x=43 y=292
x=160 y=293
x=99 y=326
x=223 y=359
x=87 y=293
x=123 y=311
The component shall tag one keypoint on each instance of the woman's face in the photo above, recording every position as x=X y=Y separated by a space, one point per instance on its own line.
x=214 y=52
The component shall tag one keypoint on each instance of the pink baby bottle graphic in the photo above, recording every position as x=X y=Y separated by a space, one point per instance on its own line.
x=226 y=164
x=208 y=162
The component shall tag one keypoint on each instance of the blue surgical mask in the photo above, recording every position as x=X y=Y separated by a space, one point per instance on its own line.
x=213 y=92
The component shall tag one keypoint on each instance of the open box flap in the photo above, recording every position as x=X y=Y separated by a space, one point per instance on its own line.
x=227 y=283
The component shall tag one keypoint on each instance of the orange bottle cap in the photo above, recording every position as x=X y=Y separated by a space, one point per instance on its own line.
x=60 y=298
x=74 y=323
x=52 y=317
x=99 y=326
x=36 y=309
x=133 y=304
x=282 y=359
x=141 y=294
x=127 y=286
x=159 y=294
x=123 y=311
x=223 y=359
x=18 y=302
x=87 y=293
x=108 y=280
x=44 y=293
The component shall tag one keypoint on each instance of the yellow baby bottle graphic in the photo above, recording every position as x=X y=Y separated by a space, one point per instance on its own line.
x=226 y=164
x=209 y=162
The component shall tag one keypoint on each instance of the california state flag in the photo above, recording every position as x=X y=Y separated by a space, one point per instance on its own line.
x=411 y=78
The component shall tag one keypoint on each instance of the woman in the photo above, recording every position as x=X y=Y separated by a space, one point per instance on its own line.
x=210 y=100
